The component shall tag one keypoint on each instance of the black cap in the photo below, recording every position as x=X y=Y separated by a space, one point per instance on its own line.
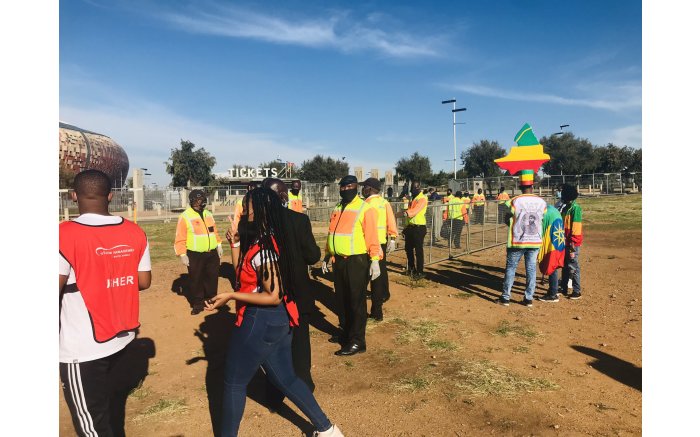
x=373 y=183
x=347 y=180
x=196 y=194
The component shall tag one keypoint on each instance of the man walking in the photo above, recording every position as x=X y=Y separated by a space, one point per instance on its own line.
x=386 y=232
x=103 y=263
x=198 y=245
x=353 y=248
x=415 y=230
x=524 y=219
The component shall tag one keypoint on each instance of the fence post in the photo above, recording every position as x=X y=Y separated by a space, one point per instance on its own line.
x=159 y=209
x=66 y=215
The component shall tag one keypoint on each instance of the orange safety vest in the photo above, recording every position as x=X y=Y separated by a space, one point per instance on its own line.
x=479 y=199
x=386 y=221
x=295 y=203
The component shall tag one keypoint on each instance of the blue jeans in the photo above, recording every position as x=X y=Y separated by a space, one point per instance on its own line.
x=553 y=283
x=264 y=338
x=571 y=270
x=512 y=259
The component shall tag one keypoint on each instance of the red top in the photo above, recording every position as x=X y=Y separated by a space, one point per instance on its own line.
x=249 y=284
x=105 y=260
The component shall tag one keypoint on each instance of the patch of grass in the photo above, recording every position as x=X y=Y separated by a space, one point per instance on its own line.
x=349 y=364
x=410 y=282
x=390 y=356
x=443 y=345
x=420 y=330
x=464 y=295
x=521 y=349
x=612 y=212
x=139 y=392
x=164 y=407
x=485 y=378
x=412 y=384
x=505 y=329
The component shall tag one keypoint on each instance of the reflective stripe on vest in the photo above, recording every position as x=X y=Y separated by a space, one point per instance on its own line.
x=478 y=199
x=419 y=219
x=345 y=234
x=202 y=241
x=376 y=201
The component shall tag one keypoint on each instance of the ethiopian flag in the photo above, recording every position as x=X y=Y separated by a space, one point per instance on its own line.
x=551 y=255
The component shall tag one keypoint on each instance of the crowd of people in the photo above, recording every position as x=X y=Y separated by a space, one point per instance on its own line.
x=104 y=261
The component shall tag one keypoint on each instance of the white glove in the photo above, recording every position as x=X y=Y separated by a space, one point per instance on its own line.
x=324 y=267
x=374 y=271
x=185 y=260
x=390 y=246
x=219 y=250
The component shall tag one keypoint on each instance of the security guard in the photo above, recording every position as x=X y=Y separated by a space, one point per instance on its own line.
x=446 y=199
x=352 y=236
x=387 y=232
x=502 y=208
x=456 y=207
x=198 y=245
x=415 y=230
x=479 y=200
x=294 y=195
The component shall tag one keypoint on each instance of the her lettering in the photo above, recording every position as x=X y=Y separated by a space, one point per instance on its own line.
x=120 y=282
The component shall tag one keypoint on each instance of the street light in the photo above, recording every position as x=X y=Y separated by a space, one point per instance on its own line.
x=454 y=129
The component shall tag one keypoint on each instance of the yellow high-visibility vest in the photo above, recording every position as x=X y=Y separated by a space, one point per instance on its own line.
x=201 y=234
x=295 y=202
x=479 y=199
x=418 y=219
x=345 y=233
x=455 y=208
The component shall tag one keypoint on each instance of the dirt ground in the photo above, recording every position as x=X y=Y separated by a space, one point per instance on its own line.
x=446 y=360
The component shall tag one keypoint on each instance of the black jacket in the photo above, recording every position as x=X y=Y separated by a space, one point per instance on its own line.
x=303 y=251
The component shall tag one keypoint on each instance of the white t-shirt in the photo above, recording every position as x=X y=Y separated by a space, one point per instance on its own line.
x=75 y=337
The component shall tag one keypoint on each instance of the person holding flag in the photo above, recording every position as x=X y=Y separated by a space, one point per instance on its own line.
x=573 y=230
x=551 y=255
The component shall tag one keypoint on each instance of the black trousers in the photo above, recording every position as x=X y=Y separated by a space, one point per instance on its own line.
x=479 y=215
x=204 y=276
x=457 y=225
x=92 y=398
x=502 y=210
x=301 y=359
x=380 y=287
x=350 y=277
x=415 y=234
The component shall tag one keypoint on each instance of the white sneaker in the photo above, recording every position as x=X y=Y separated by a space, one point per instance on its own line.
x=333 y=431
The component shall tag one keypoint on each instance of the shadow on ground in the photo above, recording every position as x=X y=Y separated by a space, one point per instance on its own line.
x=619 y=370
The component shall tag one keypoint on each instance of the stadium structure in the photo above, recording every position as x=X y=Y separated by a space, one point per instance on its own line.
x=80 y=149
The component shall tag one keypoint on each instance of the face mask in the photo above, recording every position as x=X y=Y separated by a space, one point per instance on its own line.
x=348 y=195
x=295 y=192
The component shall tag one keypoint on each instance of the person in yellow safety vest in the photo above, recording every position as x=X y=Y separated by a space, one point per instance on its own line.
x=415 y=230
x=502 y=207
x=456 y=209
x=446 y=199
x=387 y=233
x=478 y=201
x=353 y=248
x=198 y=245
x=295 y=203
x=233 y=220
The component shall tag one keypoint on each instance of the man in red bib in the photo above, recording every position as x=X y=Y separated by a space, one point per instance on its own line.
x=103 y=263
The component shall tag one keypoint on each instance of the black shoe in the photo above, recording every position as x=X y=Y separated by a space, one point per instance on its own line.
x=564 y=293
x=549 y=298
x=351 y=349
x=575 y=296
x=503 y=301
x=527 y=302
x=196 y=310
x=419 y=276
x=376 y=318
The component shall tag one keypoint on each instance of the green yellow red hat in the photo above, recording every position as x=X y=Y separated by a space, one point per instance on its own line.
x=526 y=157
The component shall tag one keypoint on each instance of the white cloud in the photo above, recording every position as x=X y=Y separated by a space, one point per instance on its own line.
x=619 y=97
x=627 y=136
x=336 y=31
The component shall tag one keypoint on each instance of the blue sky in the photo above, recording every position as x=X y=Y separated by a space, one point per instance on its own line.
x=253 y=81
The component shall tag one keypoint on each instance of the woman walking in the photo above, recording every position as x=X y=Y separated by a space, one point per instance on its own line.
x=266 y=313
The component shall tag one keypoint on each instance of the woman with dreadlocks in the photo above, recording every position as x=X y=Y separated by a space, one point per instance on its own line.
x=266 y=313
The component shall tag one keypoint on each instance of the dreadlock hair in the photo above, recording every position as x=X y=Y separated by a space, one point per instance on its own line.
x=267 y=224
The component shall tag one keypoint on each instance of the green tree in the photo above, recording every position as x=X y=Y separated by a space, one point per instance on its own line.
x=187 y=165
x=322 y=169
x=438 y=179
x=568 y=155
x=280 y=166
x=478 y=159
x=414 y=168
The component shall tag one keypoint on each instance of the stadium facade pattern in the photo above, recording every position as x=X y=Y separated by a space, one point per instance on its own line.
x=80 y=149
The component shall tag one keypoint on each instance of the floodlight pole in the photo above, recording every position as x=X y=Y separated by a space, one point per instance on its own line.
x=454 y=130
